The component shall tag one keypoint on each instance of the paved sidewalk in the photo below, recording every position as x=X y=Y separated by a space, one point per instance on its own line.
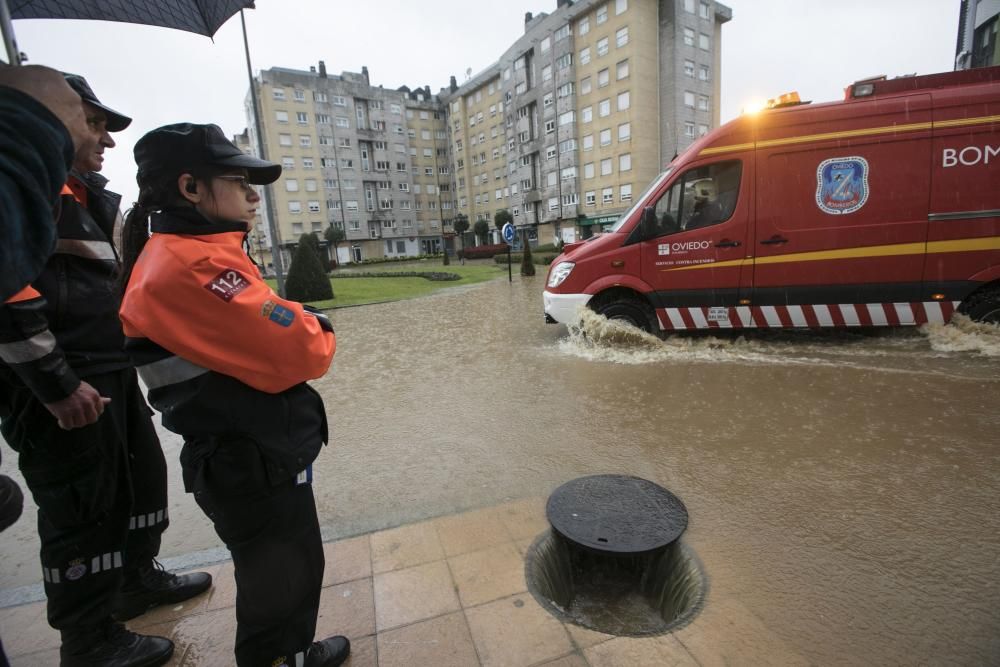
x=440 y=593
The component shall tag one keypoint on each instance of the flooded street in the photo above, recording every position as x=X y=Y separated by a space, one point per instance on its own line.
x=842 y=487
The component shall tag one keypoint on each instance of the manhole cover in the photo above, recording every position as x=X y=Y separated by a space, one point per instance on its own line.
x=616 y=514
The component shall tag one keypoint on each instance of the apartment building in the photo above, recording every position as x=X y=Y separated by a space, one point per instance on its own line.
x=371 y=161
x=583 y=110
x=978 y=25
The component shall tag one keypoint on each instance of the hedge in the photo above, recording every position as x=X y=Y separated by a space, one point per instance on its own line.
x=483 y=251
x=516 y=257
x=429 y=275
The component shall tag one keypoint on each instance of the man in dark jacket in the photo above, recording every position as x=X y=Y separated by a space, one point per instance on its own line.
x=71 y=406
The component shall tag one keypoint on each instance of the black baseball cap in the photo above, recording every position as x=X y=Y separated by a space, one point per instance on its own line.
x=175 y=148
x=116 y=121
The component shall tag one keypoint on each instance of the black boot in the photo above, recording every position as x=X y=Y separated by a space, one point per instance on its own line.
x=111 y=645
x=330 y=652
x=150 y=586
x=11 y=502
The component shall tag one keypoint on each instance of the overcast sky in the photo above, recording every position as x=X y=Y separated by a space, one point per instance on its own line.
x=161 y=76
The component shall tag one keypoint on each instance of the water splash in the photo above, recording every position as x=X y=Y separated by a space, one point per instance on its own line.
x=964 y=335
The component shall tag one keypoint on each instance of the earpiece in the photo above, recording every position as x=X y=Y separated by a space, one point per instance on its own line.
x=192 y=187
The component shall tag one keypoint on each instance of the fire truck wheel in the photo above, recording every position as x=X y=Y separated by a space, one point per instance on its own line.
x=633 y=311
x=984 y=306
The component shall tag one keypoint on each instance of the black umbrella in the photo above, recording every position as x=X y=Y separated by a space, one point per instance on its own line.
x=202 y=17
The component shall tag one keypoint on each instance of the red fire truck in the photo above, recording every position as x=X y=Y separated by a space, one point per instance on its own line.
x=882 y=209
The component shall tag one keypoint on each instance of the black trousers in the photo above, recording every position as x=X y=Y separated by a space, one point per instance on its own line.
x=273 y=534
x=101 y=492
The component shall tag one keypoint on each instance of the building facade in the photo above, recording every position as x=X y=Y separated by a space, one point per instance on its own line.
x=565 y=131
x=583 y=111
x=978 y=25
x=357 y=157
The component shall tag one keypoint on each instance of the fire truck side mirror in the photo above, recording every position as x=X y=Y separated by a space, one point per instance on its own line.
x=648 y=225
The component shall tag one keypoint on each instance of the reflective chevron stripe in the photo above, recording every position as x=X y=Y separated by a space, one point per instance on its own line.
x=808 y=316
x=147 y=520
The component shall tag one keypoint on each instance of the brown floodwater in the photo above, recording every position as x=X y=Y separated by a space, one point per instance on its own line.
x=842 y=487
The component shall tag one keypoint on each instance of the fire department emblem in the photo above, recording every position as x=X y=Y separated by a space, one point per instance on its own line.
x=842 y=185
x=76 y=569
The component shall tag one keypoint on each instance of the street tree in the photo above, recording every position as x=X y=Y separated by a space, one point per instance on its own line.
x=482 y=230
x=527 y=266
x=333 y=236
x=461 y=225
x=501 y=218
x=306 y=279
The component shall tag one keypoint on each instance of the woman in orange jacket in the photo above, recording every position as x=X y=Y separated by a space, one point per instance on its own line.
x=226 y=361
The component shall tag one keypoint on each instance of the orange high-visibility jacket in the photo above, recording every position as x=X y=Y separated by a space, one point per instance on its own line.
x=201 y=298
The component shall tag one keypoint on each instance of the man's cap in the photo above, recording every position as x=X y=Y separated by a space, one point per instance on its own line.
x=182 y=146
x=116 y=121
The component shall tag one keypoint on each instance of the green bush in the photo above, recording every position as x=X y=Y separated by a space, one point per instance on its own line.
x=517 y=258
x=429 y=275
x=411 y=258
x=307 y=281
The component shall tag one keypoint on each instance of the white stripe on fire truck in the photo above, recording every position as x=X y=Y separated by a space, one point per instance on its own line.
x=797 y=316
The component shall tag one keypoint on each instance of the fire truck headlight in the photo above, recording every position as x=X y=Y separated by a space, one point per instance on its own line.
x=559 y=273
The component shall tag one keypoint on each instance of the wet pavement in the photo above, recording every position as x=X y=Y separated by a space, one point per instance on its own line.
x=842 y=489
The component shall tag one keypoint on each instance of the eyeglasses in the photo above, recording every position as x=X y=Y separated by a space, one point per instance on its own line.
x=242 y=180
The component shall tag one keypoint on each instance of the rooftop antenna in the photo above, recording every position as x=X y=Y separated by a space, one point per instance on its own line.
x=468 y=73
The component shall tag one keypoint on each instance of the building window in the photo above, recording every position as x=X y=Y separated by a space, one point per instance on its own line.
x=689 y=6
x=305 y=141
x=702 y=130
x=688 y=129
x=571 y=199
x=625 y=132
x=291 y=185
x=314 y=207
x=703 y=10
x=568 y=173
x=294 y=207
x=606 y=137
x=278 y=93
x=550 y=152
x=288 y=162
x=323 y=118
x=625 y=162
x=585 y=55
x=342 y=122
x=606 y=167
x=567 y=118
x=553 y=203
x=281 y=116
x=564 y=61
x=585 y=85
x=565 y=90
x=544 y=47
x=625 y=192
x=588 y=142
x=583 y=26
x=550 y=126
x=301 y=117
x=604 y=108
x=590 y=198
x=689 y=99
x=607 y=196
x=621 y=70
x=703 y=73
x=602 y=47
x=603 y=78
x=620 y=6
x=297 y=228
x=624 y=101
x=285 y=139
x=703 y=41
x=621 y=37
x=300 y=95
x=547 y=73
x=602 y=14
x=562 y=33
x=688 y=37
x=339 y=101
x=310 y=185
x=588 y=170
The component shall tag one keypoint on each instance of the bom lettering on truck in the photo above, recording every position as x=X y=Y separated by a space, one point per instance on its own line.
x=970 y=156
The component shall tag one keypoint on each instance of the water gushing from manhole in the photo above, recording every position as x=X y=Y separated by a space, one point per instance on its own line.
x=613 y=561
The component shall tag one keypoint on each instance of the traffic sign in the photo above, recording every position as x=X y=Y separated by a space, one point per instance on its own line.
x=508 y=233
